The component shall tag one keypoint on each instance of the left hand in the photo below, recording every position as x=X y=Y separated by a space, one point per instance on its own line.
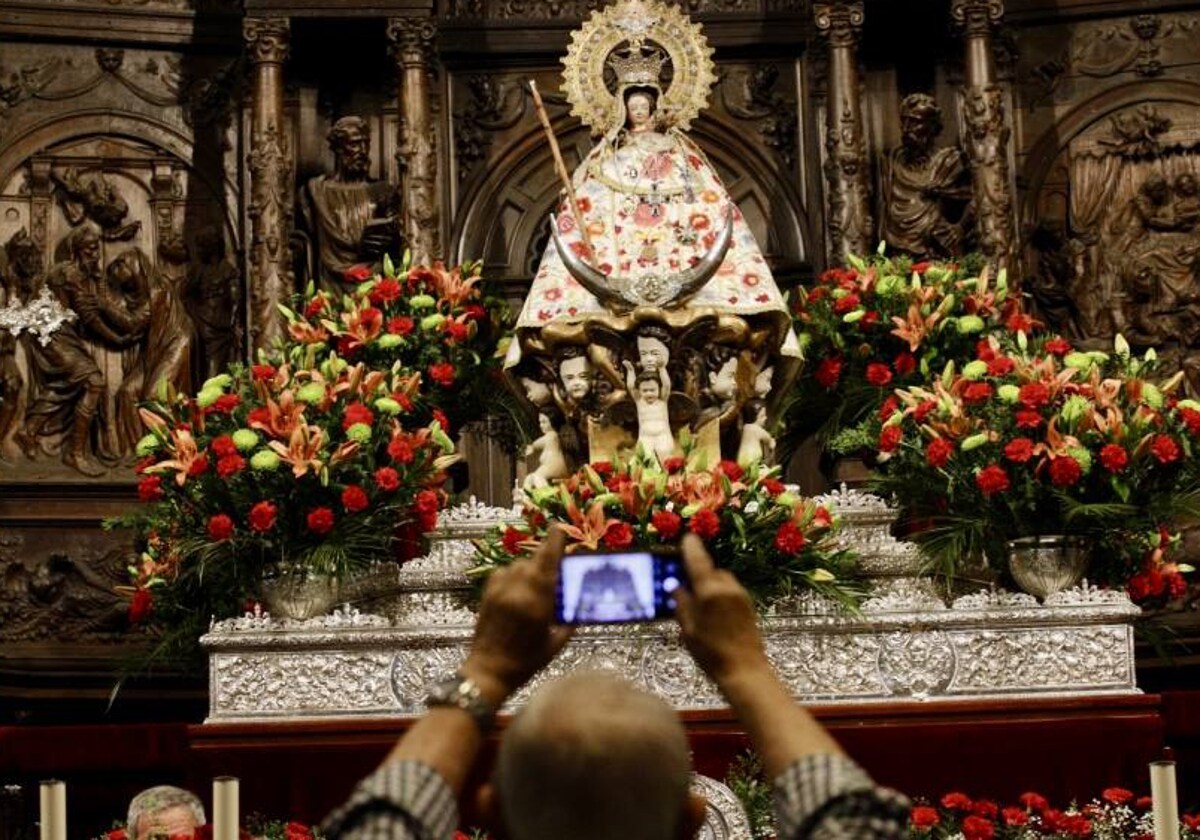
x=514 y=636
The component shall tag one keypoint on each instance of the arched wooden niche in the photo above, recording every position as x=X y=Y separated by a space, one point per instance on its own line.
x=503 y=217
x=1113 y=221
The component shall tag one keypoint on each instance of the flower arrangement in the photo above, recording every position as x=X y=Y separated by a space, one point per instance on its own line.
x=436 y=321
x=1117 y=814
x=774 y=541
x=276 y=469
x=256 y=828
x=881 y=323
x=1032 y=437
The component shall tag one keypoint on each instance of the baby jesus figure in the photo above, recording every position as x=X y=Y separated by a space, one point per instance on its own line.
x=650 y=391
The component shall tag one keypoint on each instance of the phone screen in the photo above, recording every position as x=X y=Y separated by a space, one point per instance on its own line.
x=617 y=586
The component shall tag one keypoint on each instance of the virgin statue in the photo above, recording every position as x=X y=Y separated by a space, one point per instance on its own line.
x=647 y=239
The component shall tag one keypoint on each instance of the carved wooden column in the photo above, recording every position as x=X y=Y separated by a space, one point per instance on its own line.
x=988 y=133
x=269 y=163
x=849 y=203
x=413 y=48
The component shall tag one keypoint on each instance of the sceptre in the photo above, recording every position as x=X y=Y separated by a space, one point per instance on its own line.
x=558 y=163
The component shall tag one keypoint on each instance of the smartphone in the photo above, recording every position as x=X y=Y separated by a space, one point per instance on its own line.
x=610 y=587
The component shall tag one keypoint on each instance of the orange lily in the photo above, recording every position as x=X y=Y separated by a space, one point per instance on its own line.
x=186 y=452
x=302 y=450
x=587 y=529
x=285 y=415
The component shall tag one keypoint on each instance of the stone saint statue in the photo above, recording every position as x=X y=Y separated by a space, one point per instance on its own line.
x=352 y=218
x=926 y=191
x=650 y=260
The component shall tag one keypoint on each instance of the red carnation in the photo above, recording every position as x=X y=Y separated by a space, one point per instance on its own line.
x=731 y=470
x=225 y=404
x=846 y=304
x=985 y=808
x=984 y=351
x=922 y=816
x=259 y=417
x=1028 y=419
x=1057 y=346
x=992 y=479
x=315 y=307
x=150 y=489
x=1019 y=450
x=1033 y=801
x=1114 y=458
x=220 y=527
x=198 y=467
x=1065 y=471
x=385 y=291
x=773 y=486
x=976 y=392
x=1034 y=395
x=889 y=407
x=320 y=520
x=603 y=468
x=828 y=372
x=956 y=801
x=442 y=373
x=262 y=373
x=1165 y=449
x=789 y=539
x=1020 y=322
x=426 y=502
x=668 y=523
x=1191 y=419
x=357 y=413
x=878 y=374
x=354 y=499
x=357 y=274
x=387 y=479
x=141 y=606
x=674 y=464
x=1116 y=795
x=475 y=312
x=400 y=451
x=512 y=540
x=1014 y=816
x=705 y=524
x=938 y=452
x=230 y=465
x=977 y=828
x=619 y=536
x=262 y=517
x=905 y=363
x=1001 y=366
x=400 y=325
x=457 y=332
x=442 y=420
x=923 y=410
x=223 y=447
x=890 y=438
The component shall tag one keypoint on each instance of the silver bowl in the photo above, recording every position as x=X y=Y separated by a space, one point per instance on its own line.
x=1043 y=565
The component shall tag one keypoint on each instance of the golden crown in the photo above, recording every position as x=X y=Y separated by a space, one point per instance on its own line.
x=637 y=65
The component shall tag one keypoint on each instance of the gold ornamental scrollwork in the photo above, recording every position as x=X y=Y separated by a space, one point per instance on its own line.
x=636 y=26
x=840 y=22
x=267 y=39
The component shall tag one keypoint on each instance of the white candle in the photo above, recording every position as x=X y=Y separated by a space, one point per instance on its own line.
x=53 y=801
x=1166 y=800
x=225 y=808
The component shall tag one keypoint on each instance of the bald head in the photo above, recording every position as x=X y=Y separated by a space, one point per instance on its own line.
x=592 y=757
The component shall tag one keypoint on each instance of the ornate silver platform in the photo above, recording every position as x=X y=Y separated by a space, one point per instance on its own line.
x=907 y=644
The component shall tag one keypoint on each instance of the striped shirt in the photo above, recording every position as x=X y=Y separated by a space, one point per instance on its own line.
x=821 y=797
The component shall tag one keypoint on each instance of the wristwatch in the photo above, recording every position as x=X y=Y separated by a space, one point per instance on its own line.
x=464 y=693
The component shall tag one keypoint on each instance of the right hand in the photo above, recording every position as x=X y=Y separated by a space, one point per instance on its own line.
x=717 y=618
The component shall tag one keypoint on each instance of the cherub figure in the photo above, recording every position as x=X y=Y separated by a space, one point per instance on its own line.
x=552 y=464
x=757 y=444
x=650 y=391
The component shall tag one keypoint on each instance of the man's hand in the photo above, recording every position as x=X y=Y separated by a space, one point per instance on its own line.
x=717 y=618
x=514 y=636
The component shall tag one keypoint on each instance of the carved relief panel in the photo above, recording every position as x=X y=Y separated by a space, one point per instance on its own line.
x=1110 y=148
x=117 y=172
